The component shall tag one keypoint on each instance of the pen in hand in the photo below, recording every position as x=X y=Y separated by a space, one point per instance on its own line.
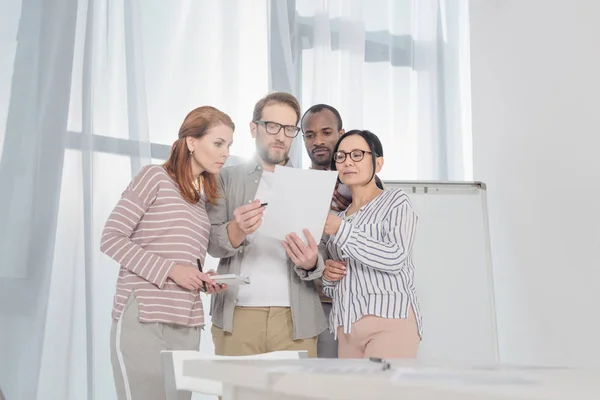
x=200 y=268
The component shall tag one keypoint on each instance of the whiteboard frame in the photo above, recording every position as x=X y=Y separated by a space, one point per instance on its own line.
x=425 y=187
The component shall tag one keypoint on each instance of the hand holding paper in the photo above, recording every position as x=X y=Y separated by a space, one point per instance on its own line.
x=302 y=255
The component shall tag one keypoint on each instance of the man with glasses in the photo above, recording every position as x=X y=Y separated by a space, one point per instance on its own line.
x=280 y=308
x=322 y=127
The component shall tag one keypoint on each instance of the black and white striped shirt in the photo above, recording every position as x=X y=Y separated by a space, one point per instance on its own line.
x=376 y=242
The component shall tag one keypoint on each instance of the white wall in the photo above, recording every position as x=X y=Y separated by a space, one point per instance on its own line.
x=536 y=139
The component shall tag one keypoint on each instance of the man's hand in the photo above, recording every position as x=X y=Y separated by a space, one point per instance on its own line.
x=334 y=270
x=339 y=202
x=302 y=255
x=332 y=224
x=248 y=219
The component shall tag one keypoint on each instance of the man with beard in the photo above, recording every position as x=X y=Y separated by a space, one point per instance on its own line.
x=322 y=128
x=280 y=309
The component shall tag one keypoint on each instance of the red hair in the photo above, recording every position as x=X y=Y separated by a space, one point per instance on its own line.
x=196 y=124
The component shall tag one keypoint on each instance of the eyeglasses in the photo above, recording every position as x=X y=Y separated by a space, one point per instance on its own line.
x=355 y=155
x=273 y=128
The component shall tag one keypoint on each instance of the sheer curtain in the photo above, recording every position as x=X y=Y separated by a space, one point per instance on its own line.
x=91 y=90
x=399 y=68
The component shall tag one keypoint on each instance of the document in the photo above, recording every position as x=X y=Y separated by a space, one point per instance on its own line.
x=301 y=199
x=401 y=375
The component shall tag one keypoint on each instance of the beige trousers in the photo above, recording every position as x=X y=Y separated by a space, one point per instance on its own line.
x=258 y=330
x=135 y=354
x=373 y=336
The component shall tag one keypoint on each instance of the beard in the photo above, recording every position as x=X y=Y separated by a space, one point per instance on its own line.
x=320 y=161
x=270 y=155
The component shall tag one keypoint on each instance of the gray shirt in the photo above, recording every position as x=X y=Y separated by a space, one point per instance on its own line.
x=237 y=186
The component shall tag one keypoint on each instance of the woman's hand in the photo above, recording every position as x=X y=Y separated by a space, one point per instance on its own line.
x=188 y=277
x=332 y=225
x=218 y=287
x=334 y=270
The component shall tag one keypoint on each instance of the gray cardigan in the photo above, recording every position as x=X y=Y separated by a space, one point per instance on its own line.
x=238 y=185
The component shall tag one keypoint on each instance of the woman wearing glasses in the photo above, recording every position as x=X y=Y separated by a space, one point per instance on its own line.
x=370 y=274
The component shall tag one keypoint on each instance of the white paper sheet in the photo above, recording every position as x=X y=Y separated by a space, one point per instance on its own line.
x=301 y=199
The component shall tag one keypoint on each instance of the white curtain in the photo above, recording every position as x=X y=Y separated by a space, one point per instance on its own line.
x=91 y=90
x=399 y=68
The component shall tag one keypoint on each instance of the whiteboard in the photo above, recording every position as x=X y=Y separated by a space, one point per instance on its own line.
x=453 y=271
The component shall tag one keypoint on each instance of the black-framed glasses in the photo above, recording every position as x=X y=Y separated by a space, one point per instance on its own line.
x=273 y=128
x=355 y=155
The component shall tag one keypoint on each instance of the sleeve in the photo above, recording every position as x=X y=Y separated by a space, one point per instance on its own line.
x=389 y=254
x=219 y=245
x=329 y=287
x=116 y=238
x=313 y=274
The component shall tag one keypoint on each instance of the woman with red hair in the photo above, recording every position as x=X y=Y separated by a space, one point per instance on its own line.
x=158 y=233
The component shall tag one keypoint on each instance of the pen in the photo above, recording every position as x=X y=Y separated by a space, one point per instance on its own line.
x=200 y=268
x=263 y=204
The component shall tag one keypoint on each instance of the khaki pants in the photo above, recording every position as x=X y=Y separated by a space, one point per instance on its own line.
x=373 y=336
x=135 y=354
x=258 y=330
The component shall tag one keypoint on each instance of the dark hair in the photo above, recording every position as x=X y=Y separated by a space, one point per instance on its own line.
x=372 y=141
x=320 y=107
x=196 y=124
x=276 y=98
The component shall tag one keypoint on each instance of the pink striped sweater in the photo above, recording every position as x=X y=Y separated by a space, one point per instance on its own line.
x=151 y=229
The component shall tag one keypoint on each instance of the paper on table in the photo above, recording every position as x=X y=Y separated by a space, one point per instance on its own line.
x=301 y=200
x=330 y=366
x=463 y=377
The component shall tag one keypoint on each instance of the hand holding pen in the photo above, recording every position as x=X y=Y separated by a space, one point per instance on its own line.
x=191 y=278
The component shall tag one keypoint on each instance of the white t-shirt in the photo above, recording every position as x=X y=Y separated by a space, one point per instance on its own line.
x=265 y=263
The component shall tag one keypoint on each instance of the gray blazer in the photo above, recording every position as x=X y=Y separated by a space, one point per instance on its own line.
x=238 y=185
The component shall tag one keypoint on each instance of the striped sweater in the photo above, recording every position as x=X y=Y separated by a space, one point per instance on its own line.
x=376 y=242
x=151 y=229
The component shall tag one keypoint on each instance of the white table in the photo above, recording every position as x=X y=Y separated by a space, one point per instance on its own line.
x=408 y=380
